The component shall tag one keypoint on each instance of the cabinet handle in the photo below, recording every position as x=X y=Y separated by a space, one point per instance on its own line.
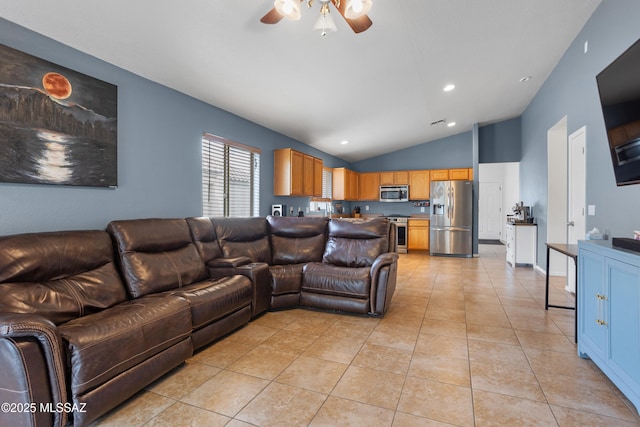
x=601 y=322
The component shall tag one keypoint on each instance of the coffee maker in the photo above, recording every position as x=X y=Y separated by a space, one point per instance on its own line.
x=521 y=213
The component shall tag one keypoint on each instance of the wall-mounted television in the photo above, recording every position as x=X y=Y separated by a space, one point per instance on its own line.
x=619 y=87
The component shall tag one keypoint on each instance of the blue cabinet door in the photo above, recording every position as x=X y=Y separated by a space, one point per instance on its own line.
x=591 y=284
x=624 y=319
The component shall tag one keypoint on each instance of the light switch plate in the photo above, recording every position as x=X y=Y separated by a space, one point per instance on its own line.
x=591 y=210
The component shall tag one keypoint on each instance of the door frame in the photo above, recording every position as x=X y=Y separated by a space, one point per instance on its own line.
x=576 y=197
x=557 y=152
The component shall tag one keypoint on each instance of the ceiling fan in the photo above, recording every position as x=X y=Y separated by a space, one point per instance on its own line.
x=353 y=11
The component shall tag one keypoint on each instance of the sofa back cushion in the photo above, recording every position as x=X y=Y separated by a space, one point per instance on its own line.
x=59 y=275
x=243 y=237
x=204 y=237
x=297 y=240
x=156 y=255
x=356 y=242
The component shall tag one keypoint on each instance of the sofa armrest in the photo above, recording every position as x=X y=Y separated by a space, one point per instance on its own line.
x=257 y=272
x=14 y=326
x=383 y=282
x=228 y=262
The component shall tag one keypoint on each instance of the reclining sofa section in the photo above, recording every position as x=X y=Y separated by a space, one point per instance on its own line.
x=89 y=318
x=344 y=265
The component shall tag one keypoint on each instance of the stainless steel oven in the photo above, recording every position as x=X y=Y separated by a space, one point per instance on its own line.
x=401 y=233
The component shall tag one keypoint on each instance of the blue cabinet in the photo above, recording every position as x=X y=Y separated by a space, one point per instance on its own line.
x=609 y=313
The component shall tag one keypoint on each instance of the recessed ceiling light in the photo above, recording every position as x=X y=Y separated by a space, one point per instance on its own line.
x=345 y=142
x=449 y=87
x=525 y=79
x=451 y=124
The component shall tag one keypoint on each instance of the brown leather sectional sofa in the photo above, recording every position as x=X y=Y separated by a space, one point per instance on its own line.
x=88 y=318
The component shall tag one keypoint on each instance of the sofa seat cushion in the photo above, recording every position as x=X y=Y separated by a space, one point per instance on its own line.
x=102 y=345
x=335 y=280
x=286 y=279
x=211 y=300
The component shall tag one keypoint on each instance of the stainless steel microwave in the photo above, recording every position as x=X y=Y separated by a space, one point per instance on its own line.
x=394 y=193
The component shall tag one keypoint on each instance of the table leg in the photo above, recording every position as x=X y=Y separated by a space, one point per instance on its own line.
x=546 y=291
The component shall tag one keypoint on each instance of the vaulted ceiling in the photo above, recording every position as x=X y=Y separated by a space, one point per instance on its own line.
x=381 y=89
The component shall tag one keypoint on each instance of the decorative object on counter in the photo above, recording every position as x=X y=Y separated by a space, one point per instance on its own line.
x=422 y=204
x=594 y=234
x=356 y=212
x=636 y=235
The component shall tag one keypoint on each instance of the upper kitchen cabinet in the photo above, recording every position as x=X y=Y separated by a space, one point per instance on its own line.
x=369 y=186
x=394 y=178
x=461 y=174
x=345 y=184
x=440 y=175
x=295 y=173
x=419 y=185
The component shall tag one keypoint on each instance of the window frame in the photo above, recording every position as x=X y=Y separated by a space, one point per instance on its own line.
x=226 y=147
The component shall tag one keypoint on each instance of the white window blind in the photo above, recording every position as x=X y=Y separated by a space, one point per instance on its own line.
x=230 y=178
x=327 y=179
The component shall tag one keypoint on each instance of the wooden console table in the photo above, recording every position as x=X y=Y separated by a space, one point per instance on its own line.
x=572 y=252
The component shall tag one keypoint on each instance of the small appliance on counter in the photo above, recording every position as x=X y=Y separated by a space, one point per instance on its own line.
x=279 y=210
x=521 y=214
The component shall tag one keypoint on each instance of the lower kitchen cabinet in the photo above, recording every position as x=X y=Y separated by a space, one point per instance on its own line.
x=609 y=313
x=418 y=234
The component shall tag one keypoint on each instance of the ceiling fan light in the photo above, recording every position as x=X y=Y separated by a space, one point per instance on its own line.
x=325 y=23
x=290 y=9
x=357 y=8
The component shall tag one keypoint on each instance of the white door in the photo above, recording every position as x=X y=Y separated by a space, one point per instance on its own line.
x=490 y=211
x=576 y=224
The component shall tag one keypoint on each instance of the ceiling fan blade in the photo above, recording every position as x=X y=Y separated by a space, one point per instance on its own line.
x=272 y=17
x=358 y=25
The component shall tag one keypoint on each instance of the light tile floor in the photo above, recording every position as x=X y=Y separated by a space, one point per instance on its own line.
x=466 y=342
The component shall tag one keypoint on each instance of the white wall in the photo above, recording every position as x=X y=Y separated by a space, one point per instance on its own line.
x=508 y=174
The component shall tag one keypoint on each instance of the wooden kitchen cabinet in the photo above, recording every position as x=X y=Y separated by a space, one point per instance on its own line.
x=345 y=184
x=465 y=174
x=394 y=178
x=369 y=186
x=418 y=234
x=440 y=175
x=294 y=173
x=317 y=177
x=419 y=185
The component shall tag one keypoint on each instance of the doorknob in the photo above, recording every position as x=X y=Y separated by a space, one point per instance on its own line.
x=570 y=224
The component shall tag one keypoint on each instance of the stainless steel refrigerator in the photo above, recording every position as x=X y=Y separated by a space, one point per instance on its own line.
x=451 y=223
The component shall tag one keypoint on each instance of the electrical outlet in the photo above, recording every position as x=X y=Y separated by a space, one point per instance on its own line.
x=366 y=207
x=591 y=210
x=422 y=209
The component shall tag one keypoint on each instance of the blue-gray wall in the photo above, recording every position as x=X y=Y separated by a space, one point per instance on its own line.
x=501 y=142
x=159 y=152
x=571 y=90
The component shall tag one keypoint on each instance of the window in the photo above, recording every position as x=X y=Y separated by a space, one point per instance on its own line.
x=323 y=204
x=230 y=178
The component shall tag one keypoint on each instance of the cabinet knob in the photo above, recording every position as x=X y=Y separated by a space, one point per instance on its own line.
x=601 y=322
x=601 y=297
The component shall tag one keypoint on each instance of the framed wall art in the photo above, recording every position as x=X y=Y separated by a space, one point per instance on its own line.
x=57 y=126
